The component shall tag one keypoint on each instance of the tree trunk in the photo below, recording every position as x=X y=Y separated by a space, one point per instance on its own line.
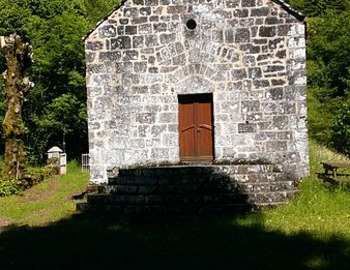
x=18 y=58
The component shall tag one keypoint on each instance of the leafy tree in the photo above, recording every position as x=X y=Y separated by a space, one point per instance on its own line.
x=55 y=29
x=328 y=64
x=341 y=128
x=63 y=119
x=13 y=15
x=98 y=9
x=329 y=52
x=328 y=77
x=313 y=8
x=58 y=69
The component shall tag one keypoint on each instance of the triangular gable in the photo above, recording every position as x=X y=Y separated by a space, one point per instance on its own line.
x=282 y=3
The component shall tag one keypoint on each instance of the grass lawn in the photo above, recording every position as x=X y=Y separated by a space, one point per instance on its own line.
x=312 y=232
x=46 y=202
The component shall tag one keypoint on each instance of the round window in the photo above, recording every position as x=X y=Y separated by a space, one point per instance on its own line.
x=191 y=24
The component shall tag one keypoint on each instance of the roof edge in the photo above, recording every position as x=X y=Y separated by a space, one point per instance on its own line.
x=103 y=19
x=289 y=9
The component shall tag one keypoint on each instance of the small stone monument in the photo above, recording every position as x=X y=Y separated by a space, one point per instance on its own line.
x=57 y=157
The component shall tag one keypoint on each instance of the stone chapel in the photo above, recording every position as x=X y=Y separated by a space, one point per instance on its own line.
x=178 y=82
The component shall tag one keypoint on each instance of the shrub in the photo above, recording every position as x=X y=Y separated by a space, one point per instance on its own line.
x=10 y=187
x=341 y=128
x=31 y=177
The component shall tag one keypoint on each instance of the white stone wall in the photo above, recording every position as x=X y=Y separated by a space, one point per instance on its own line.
x=249 y=53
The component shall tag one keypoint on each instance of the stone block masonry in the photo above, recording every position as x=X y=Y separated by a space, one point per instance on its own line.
x=249 y=55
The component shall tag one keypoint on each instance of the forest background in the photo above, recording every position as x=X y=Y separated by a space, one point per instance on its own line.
x=55 y=109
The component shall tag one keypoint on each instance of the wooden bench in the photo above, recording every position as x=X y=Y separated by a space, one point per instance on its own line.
x=331 y=172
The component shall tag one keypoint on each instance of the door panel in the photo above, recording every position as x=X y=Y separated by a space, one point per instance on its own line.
x=195 y=127
x=204 y=130
x=187 y=130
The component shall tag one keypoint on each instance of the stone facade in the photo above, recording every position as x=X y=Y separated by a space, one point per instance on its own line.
x=249 y=54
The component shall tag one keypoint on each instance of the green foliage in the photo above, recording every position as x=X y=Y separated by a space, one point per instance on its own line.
x=314 y=8
x=65 y=116
x=55 y=30
x=98 y=9
x=320 y=127
x=32 y=176
x=59 y=69
x=328 y=64
x=329 y=52
x=341 y=128
x=10 y=187
x=13 y=15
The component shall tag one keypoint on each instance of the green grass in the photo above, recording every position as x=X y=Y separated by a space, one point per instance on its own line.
x=311 y=232
x=46 y=202
x=321 y=209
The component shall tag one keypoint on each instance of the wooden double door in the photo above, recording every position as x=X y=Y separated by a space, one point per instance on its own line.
x=196 y=127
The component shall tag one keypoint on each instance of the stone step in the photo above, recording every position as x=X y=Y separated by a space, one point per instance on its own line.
x=192 y=189
x=82 y=207
x=166 y=199
x=203 y=188
x=179 y=171
x=260 y=177
x=164 y=209
x=270 y=198
x=184 y=199
x=166 y=188
x=218 y=178
x=267 y=187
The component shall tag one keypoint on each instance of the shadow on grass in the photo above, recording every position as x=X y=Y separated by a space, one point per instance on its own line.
x=85 y=242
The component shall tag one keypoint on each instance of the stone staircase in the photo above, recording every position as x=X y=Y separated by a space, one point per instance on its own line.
x=192 y=189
